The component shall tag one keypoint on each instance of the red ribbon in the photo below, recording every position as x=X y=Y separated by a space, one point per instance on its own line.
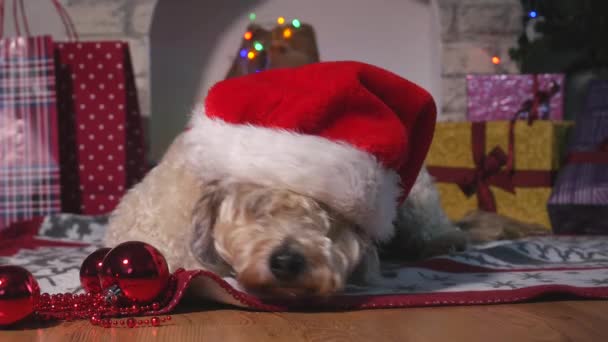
x=533 y=115
x=487 y=170
x=493 y=169
x=599 y=156
x=531 y=105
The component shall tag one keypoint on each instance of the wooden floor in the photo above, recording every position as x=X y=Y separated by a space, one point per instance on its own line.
x=583 y=321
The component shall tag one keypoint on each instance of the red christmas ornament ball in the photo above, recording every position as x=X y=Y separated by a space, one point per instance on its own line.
x=90 y=269
x=19 y=294
x=139 y=270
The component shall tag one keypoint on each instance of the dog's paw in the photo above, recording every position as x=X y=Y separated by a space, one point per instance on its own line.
x=445 y=243
x=482 y=227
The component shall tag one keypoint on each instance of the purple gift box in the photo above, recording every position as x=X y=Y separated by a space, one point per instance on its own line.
x=579 y=201
x=506 y=96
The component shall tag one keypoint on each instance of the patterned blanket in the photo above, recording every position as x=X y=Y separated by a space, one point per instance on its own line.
x=506 y=271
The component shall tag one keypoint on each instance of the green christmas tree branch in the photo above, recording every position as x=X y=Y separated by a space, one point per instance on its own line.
x=572 y=36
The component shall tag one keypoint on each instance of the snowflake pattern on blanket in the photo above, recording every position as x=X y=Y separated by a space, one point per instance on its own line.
x=577 y=262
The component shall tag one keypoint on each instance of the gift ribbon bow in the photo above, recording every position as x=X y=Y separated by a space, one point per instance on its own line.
x=531 y=106
x=488 y=171
x=494 y=169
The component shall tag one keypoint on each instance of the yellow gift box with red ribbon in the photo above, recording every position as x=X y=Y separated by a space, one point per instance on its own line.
x=502 y=166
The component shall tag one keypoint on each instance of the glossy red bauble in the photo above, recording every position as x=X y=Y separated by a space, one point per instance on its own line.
x=90 y=269
x=137 y=269
x=19 y=294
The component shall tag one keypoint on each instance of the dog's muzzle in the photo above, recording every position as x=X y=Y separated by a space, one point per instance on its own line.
x=286 y=263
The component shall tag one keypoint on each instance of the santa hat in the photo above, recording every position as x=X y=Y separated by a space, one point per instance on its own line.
x=351 y=135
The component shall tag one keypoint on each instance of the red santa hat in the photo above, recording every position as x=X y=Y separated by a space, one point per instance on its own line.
x=348 y=134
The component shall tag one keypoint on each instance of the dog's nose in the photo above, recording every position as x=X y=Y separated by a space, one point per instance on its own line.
x=286 y=264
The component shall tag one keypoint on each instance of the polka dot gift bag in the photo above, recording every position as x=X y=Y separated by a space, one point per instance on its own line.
x=101 y=135
x=29 y=157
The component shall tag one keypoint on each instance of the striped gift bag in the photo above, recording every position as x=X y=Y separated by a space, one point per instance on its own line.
x=29 y=167
x=101 y=138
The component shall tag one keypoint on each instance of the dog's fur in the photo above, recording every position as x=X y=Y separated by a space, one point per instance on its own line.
x=233 y=228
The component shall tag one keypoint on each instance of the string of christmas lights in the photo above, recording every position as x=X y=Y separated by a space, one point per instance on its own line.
x=257 y=46
x=532 y=14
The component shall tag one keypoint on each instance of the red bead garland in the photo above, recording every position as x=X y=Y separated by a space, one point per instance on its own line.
x=98 y=310
x=131 y=323
x=136 y=282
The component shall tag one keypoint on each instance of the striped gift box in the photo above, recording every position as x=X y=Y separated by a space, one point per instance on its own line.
x=29 y=167
x=579 y=201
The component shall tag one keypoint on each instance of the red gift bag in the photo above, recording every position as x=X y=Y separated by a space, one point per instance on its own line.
x=101 y=134
x=100 y=128
x=29 y=158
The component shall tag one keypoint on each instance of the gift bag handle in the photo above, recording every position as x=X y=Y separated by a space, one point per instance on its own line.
x=18 y=6
x=1 y=18
x=70 y=28
x=26 y=26
x=17 y=28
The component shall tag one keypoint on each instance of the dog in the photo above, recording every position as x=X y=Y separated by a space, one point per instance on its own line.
x=289 y=180
x=275 y=242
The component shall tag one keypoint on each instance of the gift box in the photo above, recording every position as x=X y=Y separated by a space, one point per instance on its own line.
x=507 y=97
x=579 y=201
x=501 y=166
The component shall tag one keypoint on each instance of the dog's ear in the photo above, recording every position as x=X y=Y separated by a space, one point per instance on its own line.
x=203 y=220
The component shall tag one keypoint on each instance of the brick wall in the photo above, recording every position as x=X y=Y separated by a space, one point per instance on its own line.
x=472 y=31
x=119 y=19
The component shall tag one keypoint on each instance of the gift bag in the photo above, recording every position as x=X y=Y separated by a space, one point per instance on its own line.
x=29 y=158
x=100 y=128
x=102 y=146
